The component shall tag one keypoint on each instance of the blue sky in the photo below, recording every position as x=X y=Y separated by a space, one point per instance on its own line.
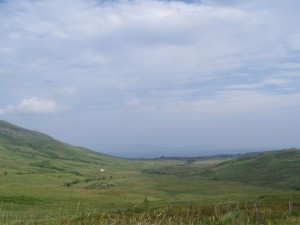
x=198 y=77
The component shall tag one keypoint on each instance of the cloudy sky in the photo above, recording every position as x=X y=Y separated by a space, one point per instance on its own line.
x=153 y=77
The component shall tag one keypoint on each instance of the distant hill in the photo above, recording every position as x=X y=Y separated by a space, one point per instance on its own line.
x=22 y=149
x=45 y=181
x=25 y=151
x=279 y=169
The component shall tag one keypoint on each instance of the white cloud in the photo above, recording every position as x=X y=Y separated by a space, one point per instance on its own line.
x=260 y=85
x=277 y=82
x=294 y=42
x=154 y=59
x=132 y=102
x=34 y=105
x=240 y=102
x=244 y=86
x=68 y=91
x=247 y=102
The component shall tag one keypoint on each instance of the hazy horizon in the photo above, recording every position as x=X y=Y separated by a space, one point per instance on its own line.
x=184 y=77
x=155 y=151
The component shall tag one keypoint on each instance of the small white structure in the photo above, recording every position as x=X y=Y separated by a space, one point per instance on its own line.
x=102 y=170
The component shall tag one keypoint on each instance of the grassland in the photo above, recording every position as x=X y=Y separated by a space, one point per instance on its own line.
x=43 y=181
x=278 y=169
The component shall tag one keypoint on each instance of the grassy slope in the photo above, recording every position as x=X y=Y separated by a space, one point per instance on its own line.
x=32 y=144
x=38 y=172
x=48 y=171
x=279 y=169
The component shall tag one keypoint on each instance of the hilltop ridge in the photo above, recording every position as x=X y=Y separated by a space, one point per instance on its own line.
x=23 y=149
x=279 y=169
x=9 y=132
x=20 y=148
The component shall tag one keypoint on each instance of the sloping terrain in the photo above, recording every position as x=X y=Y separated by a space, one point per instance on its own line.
x=44 y=181
x=32 y=144
x=279 y=169
x=25 y=151
x=37 y=168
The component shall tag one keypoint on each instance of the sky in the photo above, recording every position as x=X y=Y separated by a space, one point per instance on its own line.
x=150 y=78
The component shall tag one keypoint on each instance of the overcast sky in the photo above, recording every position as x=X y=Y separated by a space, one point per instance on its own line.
x=186 y=77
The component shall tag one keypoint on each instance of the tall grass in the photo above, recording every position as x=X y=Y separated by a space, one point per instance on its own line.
x=230 y=213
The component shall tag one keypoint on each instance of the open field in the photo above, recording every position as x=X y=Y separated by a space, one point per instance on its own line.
x=43 y=181
x=118 y=196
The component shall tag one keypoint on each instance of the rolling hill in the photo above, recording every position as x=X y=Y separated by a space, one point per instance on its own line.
x=25 y=150
x=279 y=169
x=32 y=144
x=30 y=160
x=45 y=181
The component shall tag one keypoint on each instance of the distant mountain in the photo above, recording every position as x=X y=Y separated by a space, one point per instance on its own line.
x=279 y=169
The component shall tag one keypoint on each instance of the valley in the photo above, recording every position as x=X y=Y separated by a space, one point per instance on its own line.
x=44 y=181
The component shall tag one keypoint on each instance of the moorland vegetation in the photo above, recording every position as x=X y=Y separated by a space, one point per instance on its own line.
x=44 y=181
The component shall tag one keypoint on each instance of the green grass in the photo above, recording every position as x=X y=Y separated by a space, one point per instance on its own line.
x=34 y=196
x=239 y=213
x=278 y=169
x=43 y=181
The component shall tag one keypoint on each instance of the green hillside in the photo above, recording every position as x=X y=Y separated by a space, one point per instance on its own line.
x=36 y=169
x=29 y=144
x=44 y=181
x=279 y=169
x=26 y=151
